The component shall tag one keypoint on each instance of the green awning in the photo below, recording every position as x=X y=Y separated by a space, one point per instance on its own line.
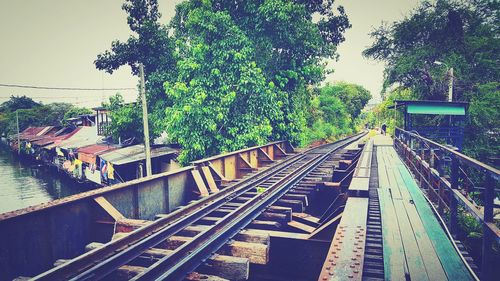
x=436 y=109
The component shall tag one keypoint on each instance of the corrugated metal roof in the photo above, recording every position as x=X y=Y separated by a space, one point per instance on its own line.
x=84 y=137
x=96 y=149
x=59 y=139
x=52 y=138
x=135 y=153
x=30 y=132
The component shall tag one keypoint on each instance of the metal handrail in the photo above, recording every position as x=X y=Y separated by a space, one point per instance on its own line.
x=470 y=161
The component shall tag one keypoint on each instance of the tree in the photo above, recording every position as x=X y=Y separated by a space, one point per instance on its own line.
x=384 y=115
x=484 y=114
x=35 y=114
x=126 y=119
x=151 y=46
x=222 y=100
x=335 y=110
x=355 y=97
x=244 y=68
x=18 y=102
x=463 y=35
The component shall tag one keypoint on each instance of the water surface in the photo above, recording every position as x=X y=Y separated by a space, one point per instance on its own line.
x=24 y=184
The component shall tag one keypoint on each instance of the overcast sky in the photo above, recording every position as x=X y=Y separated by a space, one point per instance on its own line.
x=55 y=42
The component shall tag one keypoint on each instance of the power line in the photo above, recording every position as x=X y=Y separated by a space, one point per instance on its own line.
x=63 y=88
x=31 y=95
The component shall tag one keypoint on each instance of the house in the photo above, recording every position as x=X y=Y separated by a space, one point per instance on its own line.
x=65 y=151
x=89 y=156
x=128 y=163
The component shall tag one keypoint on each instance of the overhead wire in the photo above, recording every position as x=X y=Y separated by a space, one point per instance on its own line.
x=63 y=88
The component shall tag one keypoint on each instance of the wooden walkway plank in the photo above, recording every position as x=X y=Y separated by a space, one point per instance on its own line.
x=388 y=179
x=382 y=172
x=432 y=263
x=415 y=261
x=415 y=244
x=395 y=164
x=450 y=259
x=394 y=257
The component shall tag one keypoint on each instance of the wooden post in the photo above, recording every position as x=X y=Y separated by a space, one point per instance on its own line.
x=145 y=122
x=487 y=253
x=18 y=137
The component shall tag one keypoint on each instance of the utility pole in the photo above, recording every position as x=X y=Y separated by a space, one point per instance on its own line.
x=145 y=121
x=450 y=86
x=450 y=81
x=18 y=137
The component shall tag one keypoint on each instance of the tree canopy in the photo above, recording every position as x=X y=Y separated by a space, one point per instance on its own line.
x=335 y=111
x=126 y=119
x=32 y=113
x=353 y=96
x=18 y=102
x=462 y=34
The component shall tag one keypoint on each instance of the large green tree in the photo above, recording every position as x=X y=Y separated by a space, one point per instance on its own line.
x=248 y=64
x=222 y=100
x=289 y=46
x=235 y=73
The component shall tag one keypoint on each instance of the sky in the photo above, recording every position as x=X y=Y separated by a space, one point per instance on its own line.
x=53 y=43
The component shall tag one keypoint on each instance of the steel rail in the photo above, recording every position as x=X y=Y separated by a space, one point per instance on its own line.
x=133 y=251
x=155 y=230
x=191 y=254
x=118 y=252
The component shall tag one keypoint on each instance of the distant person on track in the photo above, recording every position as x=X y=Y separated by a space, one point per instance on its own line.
x=384 y=128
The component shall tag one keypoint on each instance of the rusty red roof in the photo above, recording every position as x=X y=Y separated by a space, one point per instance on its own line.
x=50 y=138
x=96 y=149
x=30 y=132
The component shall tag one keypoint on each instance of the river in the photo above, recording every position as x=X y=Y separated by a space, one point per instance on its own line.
x=24 y=184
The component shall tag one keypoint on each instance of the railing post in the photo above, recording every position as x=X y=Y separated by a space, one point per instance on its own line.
x=487 y=253
x=438 y=164
x=455 y=165
x=431 y=157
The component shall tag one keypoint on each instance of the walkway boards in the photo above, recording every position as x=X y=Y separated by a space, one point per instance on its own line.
x=415 y=245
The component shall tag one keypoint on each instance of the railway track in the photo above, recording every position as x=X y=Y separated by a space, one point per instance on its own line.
x=240 y=204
